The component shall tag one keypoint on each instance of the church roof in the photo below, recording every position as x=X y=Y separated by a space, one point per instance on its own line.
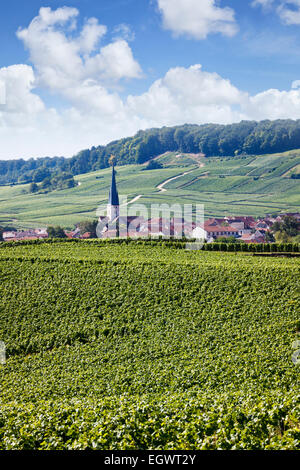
x=113 y=193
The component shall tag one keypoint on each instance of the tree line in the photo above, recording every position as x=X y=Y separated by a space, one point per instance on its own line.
x=244 y=138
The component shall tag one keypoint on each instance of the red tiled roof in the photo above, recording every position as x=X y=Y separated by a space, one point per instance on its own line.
x=86 y=235
x=219 y=228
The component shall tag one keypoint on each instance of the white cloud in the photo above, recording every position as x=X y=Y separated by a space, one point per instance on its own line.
x=188 y=95
x=195 y=96
x=2 y=92
x=274 y=104
x=63 y=60
x=289 y=12
x=197 y=18
x=263 y=3
x=90 y=35
x=123 y=31
x=296 y=84
x=115 y=61
x=21 y=104
x=60 y=16
x=24 y=119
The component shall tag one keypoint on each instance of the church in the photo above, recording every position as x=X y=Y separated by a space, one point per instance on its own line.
x=116 y=225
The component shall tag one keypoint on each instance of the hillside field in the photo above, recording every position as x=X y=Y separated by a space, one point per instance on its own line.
x=139 y=346
x=254 y=185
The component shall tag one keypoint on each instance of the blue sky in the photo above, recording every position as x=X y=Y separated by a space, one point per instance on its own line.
x=78 y=73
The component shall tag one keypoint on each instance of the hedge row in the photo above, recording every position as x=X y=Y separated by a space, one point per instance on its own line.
x=171 y=243
x=254 y=247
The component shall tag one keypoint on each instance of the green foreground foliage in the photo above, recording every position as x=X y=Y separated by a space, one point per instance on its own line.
x=136 y=346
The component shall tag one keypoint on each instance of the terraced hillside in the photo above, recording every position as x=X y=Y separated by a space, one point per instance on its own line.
x=146 y=347
x=226 y=186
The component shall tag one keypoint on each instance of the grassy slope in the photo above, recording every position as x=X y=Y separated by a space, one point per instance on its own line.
x=239 y=186
x=142 y=347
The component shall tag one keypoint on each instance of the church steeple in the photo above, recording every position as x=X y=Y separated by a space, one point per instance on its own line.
x=113 y=200
x=113 y=193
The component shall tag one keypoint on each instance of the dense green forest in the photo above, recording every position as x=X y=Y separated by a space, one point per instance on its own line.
x=246 y=137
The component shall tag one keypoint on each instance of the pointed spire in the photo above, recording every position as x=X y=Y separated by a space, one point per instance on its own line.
x=113 y=193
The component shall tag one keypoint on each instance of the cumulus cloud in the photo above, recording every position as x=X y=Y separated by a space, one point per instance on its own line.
x=289 y=12
x=21 y=104
x=195 y=96
x=24 y=119
x=274 y=104
x=188 y=95
x=114 y=62
x=90 y=35
x=197 y=18
x=63 y=59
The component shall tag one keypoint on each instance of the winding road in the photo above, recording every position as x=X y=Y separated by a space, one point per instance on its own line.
x=161 y=187
x=132 y=201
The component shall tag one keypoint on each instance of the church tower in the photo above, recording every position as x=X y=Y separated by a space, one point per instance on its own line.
x=113 y=208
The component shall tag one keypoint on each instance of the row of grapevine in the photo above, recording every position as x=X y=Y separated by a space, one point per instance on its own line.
x=173 y=243
x=136 y=345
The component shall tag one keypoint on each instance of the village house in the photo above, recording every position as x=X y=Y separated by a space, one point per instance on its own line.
x=244 y=228
x=31 y=234
x=116 y=225
x=219 y=228
x=257 y=237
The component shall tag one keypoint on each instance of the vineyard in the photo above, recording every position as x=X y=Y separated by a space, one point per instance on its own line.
x=136 y=346
x=244 y=185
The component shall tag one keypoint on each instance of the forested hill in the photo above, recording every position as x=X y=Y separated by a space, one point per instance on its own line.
x=246 y=137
